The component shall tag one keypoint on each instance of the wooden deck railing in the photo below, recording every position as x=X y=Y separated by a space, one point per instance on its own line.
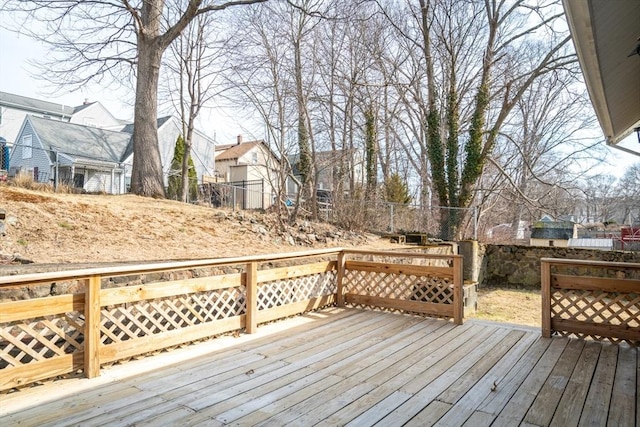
x=390 y=282
x=591 y=299
x=165 y=304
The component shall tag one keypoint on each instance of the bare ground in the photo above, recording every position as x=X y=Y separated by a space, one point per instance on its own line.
x=80 y=228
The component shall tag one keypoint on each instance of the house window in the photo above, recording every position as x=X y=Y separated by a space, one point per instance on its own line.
x=27 y=146
x=550 y=242
x=254 y=158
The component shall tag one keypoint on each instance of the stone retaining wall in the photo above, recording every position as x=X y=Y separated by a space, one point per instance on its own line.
x=519 y=266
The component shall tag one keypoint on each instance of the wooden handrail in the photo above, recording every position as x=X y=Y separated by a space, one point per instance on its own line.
x=580 y=262
x=124 y=270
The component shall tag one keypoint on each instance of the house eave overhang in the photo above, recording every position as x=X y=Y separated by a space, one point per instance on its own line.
x=94 y=163
x=604 y=33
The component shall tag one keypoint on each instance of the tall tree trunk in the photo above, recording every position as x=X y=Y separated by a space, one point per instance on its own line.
x=147 y=179
x=371 y=154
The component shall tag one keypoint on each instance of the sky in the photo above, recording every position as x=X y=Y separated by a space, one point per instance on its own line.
x=16 y=76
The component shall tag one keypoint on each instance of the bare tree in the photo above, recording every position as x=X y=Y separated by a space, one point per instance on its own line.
x=193 y=70
x=92 y=39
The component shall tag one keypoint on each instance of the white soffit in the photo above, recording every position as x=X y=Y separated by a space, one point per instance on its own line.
x=604 y=33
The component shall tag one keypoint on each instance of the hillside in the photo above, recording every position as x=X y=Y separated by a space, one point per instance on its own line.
x=78 y=228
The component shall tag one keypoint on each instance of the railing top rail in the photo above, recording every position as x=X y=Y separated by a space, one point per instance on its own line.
x=564 y=261
x=399 y=253
x=123 y=270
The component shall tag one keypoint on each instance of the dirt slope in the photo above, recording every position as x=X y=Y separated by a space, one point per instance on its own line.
x=71 y=228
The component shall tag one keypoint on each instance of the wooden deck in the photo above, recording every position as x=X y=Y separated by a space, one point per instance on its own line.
x=353 y=367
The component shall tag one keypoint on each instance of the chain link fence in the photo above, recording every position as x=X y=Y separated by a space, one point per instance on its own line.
x=240 y=195
x=434 y=222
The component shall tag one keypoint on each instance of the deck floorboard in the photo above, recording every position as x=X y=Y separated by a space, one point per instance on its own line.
x=341 y=367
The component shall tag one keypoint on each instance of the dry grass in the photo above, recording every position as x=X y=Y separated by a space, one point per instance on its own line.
x=518 y=306
x=25 y=180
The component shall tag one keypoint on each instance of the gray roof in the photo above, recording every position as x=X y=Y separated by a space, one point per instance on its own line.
x=34 y=105
x=81 y=141
x=82 y=107
x=128 y=128
x=552 y=233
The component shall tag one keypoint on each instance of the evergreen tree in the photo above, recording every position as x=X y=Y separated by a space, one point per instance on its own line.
x=396 y=190
x=174 y=191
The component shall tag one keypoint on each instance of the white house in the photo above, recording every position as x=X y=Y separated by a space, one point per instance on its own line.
x=255 y=168
x=14 y=109
x=202 y=149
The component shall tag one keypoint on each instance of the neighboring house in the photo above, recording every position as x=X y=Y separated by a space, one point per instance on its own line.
x=252 y=162
x=96 y=115
x=14 y=109
x=67 y=153
x=549 y=232
x=92 y=158
x=330 y=166
x=202 y=149
x=505 y=232
x=16 y=128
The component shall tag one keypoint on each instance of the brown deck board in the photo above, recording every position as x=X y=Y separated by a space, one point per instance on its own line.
x=510 y=410
x=352 y=367
x=546 y=402
x=596 y=406
x=623 y=408
x=570 y=406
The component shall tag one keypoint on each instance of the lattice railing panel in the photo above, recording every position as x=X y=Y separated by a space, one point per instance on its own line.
x=34 y=340
x=282 y=292
x=596 y=307
x=144 y=318
x=399 y=286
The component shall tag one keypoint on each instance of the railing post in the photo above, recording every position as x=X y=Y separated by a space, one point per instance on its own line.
x=251 y=283
x=458 y=303
x=545 y=275
x=340 y=279
x=92 y=327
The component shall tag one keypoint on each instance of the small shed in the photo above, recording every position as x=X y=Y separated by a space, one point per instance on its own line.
x=548 y=232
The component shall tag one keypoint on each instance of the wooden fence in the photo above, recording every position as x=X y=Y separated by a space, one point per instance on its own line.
x=161 y=305
x=591 y=299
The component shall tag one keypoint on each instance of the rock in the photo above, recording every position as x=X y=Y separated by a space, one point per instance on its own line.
x=11 y=220
x=290 y=240
x=262 y=230
x=2 y=229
